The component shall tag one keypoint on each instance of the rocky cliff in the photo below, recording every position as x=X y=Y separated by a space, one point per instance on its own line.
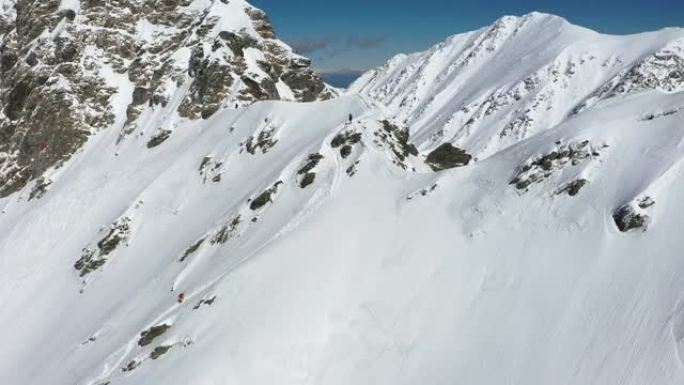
x=72 y=68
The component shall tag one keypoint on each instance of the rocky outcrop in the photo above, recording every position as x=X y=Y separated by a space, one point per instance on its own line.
x=306 y=172
x=573 y=188
x=345 y=141
x=542 y=167
x=49 y=101
x=447 y=156
x=265 y=197
x=663 y=71
x=634 y=215
x=396 y=139
x=628 y=219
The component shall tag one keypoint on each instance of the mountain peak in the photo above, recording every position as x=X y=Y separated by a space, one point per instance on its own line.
x=532 y=16
x=488 y=89
x=73 y=68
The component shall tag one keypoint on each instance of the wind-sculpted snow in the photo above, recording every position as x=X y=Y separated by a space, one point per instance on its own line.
x=339 y=242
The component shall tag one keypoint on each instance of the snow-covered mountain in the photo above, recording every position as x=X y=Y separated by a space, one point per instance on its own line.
x=488 y=89
x=185 y=241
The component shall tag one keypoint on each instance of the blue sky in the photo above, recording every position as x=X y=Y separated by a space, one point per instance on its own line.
x=360 y=34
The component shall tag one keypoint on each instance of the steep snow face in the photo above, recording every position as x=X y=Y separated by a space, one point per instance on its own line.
x=282 y=244
x=71 y=68
x=490 y=88
x=285 y=243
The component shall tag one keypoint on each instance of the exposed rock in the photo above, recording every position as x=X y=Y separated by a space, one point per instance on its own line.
x=646 y=202
x=147 y=336
x=159 y=138
x=88 y=263
x=264 y=198
x=627 y=219
x=116 y=235
x=263 y=142
x=311 y=163
x=306 y=85
x=423 y=192
x=40 y=188
x=573 y=188
x=308 y=176
x=544 y=166
x=663 y=71
x=351 y=170
x=308 y=179
x=209 y=89
x=347 y=137
x=210 y=170
x=50 y=105
x=660 y=114
x=397 y=139
x=160 y=351
x=237 y=42
x=191 y=250
x=207 y=302
x=130 y=366
x=258 y=91
x=447 y=156
x=261 y=23
x=94 y=258
x=346 y=140
x=345 y=151
x=226 y=232
x=205 y=162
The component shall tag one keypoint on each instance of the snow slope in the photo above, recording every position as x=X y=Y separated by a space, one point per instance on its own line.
x=314 y=250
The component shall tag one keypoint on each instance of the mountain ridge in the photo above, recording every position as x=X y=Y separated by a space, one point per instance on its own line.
x=431 y=93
